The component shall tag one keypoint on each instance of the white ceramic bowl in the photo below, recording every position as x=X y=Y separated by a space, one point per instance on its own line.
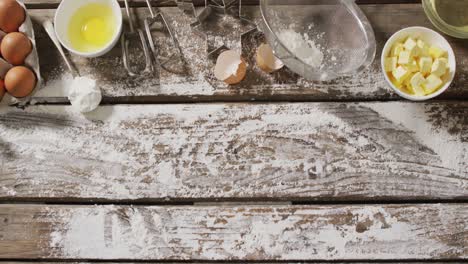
x=431 y=38
x=67 y=9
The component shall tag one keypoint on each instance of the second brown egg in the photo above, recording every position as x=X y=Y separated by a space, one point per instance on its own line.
x=15 y=47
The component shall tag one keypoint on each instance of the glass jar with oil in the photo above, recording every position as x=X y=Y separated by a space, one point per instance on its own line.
x=449 y=16
x=92 y=27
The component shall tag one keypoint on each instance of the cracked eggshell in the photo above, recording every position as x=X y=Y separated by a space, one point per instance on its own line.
x=266 y=60
x=230 y=67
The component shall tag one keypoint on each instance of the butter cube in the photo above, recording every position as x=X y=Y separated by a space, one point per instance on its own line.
x=407 y=83
x=390 y=63
x=439 y=67
x=394 y=81
x=423 y=48
x=412 y=46
x=432 y=84
x=437 y=52
x=397 y=48
x=404 y=57
x=413 y=66
x=444 y=60
x=400 y=74
x=425 y=65
x=417 y=82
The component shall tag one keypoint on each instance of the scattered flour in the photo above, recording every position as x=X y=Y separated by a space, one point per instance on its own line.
x=211 y=233
x=56 y=87
x=448 y=147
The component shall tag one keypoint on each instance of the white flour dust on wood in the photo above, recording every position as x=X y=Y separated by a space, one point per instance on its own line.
x=231 y=150
x=210 y=233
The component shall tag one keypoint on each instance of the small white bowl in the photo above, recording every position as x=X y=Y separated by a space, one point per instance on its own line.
x=67 y=9
x=431 y=38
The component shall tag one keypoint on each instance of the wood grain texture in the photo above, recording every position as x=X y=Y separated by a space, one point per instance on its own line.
x=200 y=85
x=213 y=262
x=299 y=151
x=293 y=233
x=55 y=3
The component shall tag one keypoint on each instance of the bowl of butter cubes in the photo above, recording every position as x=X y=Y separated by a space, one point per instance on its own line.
x=418 y=63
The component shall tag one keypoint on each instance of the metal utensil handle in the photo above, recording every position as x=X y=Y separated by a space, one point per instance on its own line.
x=150 y=7
x=49 y=28
x=130 y=20
x=146 y=51
x=169 y=28
x=125 y=53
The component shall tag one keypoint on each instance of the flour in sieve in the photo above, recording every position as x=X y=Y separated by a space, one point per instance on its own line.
x=302 y=46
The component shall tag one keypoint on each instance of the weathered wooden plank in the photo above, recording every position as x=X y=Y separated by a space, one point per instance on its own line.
x=200 y=85
x=299 y=151
x=211 y=262
x=54 y=3
x=294 y=233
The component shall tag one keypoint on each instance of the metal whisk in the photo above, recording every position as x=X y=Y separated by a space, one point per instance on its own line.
x=163 y=61
x=125 y=40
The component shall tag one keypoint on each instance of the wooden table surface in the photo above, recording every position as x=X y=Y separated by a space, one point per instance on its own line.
x=277 y=168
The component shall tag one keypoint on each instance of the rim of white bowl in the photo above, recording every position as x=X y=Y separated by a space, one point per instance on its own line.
x=391 y=40
x=96 y=53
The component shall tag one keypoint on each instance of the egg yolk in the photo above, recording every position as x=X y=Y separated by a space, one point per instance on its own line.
x=92 y=30
x=92 y=27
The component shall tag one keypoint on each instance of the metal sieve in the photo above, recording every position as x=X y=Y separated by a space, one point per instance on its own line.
x=337 y=28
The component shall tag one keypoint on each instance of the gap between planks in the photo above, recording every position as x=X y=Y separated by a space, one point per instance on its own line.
x=80 y=261
x=61 y=261
x=221 y=201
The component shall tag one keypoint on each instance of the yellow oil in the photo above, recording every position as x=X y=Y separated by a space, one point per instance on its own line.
x=92 y=27
x=453 y=12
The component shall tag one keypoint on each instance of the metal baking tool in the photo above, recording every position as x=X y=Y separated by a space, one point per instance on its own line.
x=338 y=31
x=125 y=41
x=219 y=20
x=172 y=62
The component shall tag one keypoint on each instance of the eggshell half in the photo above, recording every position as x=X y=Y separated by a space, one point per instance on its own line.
x=266 y=60
x=230 y=67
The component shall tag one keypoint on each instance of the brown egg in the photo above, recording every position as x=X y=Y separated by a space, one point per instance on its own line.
x=15 y=47
x=12 y=15
x=2 y=89
x=20 y=81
